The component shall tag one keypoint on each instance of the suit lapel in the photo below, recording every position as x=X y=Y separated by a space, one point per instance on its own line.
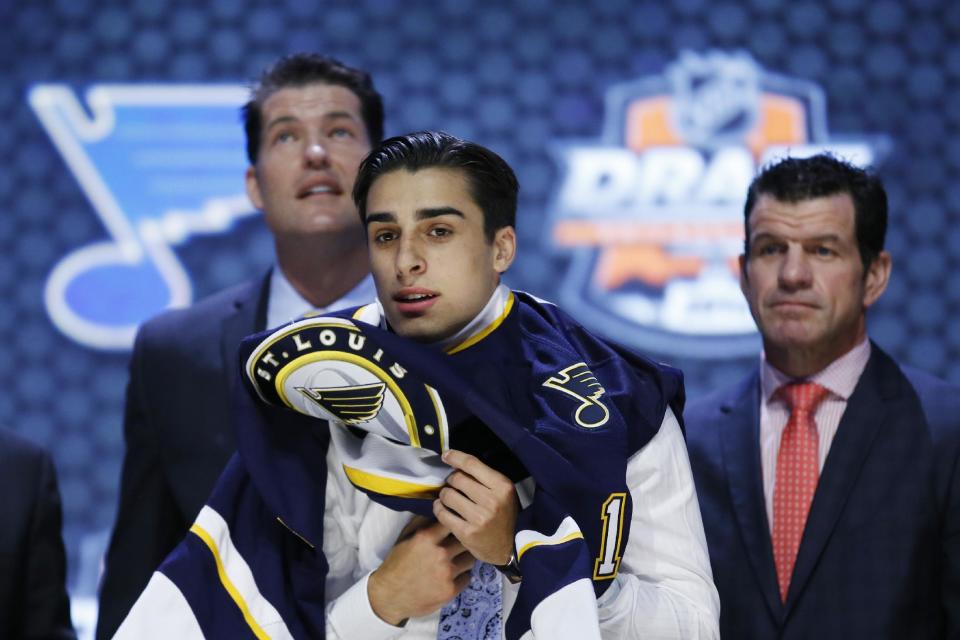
x=249 y=316
x=740 y=442
x=861 y=421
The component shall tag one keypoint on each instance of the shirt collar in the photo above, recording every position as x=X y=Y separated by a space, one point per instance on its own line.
x=485 y=322
x=285 y=303
x=840 y=377
x=492 y=315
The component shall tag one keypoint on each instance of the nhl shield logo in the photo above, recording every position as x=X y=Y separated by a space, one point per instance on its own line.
x=717 y=98
x=651 y=214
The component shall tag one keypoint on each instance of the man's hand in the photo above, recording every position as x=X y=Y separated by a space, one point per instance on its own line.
x=479 y=506
x=426 y=568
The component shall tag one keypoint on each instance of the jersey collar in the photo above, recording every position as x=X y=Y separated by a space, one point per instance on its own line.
x=486 y=322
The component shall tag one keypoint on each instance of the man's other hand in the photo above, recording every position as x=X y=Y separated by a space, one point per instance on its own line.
x=479 y=506
x=426 y=568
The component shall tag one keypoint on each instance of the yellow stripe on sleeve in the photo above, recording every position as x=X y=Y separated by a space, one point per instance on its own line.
x=201 y=533
x=539 y=543
x=390 y=486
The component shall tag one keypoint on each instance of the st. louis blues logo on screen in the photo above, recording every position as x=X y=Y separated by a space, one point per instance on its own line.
x=652 y=212
x=159 y=164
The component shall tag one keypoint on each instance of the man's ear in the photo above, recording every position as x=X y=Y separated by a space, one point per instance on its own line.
x=876 y=279
x=253 y=188
x=744 y=284
x=504 y=248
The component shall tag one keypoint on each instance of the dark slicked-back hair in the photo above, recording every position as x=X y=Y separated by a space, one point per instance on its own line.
x=491 y=181
x=303 y=69
x=798 y=179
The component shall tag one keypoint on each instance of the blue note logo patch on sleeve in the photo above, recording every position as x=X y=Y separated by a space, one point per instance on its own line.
x=578 y=382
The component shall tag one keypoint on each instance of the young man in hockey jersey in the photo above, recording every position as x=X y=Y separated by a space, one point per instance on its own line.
x=439 y=214
x=547 y=467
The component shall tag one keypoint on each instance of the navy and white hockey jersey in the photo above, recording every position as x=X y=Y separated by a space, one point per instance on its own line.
x=533 y=394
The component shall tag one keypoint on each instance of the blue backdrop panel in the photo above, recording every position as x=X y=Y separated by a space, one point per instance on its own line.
x=102 y=217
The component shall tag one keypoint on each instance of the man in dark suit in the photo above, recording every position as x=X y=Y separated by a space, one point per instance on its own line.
x=309 y=123
x=827 y=479
x=33 y=565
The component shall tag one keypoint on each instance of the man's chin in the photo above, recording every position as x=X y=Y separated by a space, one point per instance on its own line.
x=416 y=328
x=791 y=333
x=332 y=221
x=794 y=341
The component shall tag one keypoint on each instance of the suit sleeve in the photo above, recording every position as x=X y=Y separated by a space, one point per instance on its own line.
x=664 y=588
x=939 y=401
x=950 y=593
x=148 y=524
x=46 y=605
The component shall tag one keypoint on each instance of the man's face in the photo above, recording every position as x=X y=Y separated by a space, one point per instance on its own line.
x=804 y=279
x=312 y=141
x=432 y=264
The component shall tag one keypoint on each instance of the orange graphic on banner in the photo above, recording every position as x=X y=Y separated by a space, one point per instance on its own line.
x=635 y=250
x=632 y=251
x=650 y=264
x=648 y=124
x=781 y=120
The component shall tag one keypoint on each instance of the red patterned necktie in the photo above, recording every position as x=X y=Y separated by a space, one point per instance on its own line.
x=797 y=475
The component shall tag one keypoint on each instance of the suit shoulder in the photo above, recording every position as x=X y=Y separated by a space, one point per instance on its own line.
x=202 y=317
x=709 y=405
x=931 y=385
x=21 y=465
x=19 y=450
x=940 y=400
x=702 y=414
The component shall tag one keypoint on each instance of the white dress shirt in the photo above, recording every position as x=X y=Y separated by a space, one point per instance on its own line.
x=285 y=303
x=840 y=378
x=664 y=588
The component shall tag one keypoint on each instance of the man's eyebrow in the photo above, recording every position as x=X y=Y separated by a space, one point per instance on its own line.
x=827 y=237
x=340 y=115
x=380 y=217
x=765 y=235
x=279 y=120
x=435 y=212
x=332 y=115
x=422 y=214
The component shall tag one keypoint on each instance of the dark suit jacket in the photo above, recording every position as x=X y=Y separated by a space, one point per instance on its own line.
x=880 y=555
x=178 y=434
x=33 y=566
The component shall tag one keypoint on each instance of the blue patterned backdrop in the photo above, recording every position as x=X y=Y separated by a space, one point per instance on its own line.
x=520 y=77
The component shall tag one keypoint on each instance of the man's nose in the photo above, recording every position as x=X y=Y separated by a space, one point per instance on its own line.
x=410 y=259
x=795 y=272
x=315 y=154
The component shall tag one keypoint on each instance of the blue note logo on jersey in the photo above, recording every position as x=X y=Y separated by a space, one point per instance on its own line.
x=159 y=164
x=579 y=383
x=651 y=214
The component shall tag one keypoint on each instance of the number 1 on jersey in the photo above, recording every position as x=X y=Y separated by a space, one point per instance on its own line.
x=611 y=512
